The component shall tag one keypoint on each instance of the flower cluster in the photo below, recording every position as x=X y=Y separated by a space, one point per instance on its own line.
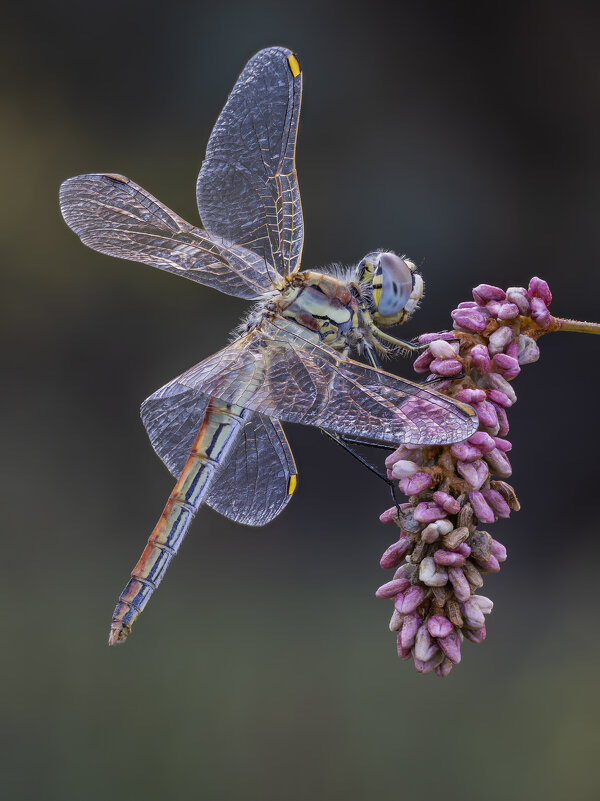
x=455 y=491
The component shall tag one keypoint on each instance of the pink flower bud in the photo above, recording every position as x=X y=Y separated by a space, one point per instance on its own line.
x=425 y=647
x=518 y=296
x=481 y=508
x=395 y=621
x=538 y=288
x=443 y=350
x=408 y=632
x=430 y=665
x=472 y=614
x=539 y=313
x=487 y=414
x=499 y=339
x=444 y=668
x=447 y=502
x=483 y=293
x=512 y=349
x=431 y=574
x=507 y=366
x=412 y=485
x=408 y=600
x=491 y=565
x=481 y=359
x=403 y=468
x=508 y=311
x=470 y=395
x=469 y=319
x=446 y=367
x=467 y=304
x=475 y=635
x=403 y=452
x=422 y=362
x=499 y=464
x=495 y=381
x=403 y=653
x=459 y=583
x=503 y=426
x=450 y=645
x=483 y=442
x=484 y=603
x=497 y=502
x=427 y=512
x=502 y=444
x=499 y=397
x=439 y=626
x=465 y=452
x=437 y=529
x=448 y=558
x=425 y=338
x=499 y=551
x=389 y=515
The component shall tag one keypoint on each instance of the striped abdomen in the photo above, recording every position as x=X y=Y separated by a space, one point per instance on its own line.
x=219 y=430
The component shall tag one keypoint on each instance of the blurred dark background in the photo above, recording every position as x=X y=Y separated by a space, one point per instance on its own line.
x=466 y=136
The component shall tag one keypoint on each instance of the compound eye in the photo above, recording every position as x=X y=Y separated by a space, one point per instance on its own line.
x=396 y=284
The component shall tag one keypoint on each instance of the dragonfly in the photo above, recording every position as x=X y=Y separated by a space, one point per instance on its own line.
x=217 y=427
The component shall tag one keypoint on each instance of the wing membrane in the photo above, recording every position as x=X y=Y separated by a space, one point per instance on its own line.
x=290 y=376
x=114 y=215
x=247 y=189
x=254 y=485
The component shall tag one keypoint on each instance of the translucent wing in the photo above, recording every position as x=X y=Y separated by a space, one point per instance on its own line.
x=247 y=188
x=289 y=375
x=258 y=479
x=114 y=215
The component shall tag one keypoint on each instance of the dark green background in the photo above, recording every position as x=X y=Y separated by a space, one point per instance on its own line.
x=466 y=136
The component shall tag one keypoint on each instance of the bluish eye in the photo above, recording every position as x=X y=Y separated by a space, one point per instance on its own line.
x=396 y=284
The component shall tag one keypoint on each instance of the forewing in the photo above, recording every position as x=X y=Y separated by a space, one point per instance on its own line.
x=114 y=215
x=247 y=189
x=258 y=479
x=288 y=375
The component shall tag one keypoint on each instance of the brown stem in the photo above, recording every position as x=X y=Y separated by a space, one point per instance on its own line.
x=580 y=327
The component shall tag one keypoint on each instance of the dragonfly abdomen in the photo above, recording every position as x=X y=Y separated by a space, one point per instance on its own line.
x=219 y=430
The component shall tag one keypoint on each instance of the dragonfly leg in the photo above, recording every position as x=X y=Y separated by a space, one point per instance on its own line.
x=342 y=443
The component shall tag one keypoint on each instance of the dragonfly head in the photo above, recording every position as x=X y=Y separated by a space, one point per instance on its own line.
x=392 y=287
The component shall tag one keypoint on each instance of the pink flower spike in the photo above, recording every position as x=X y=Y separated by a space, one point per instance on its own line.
x=518 y=296
x=450 y=645
x=499 y=551
x=499 y=464
x=408 y=600
x=422 y=362
x=472 y=614
x=538 y=288
x=447 y=502
x=464 y=452
x=539 y=313
x=508 y=311
x=507 y=366
x=483 y=293
x=475 y=635
x=497 y=502
x=444 y=668
x=491 y=565
x=481 y=359
x=428 y=512
x=439 y=626
x=486 y=413
x=459 y=583
x=500 y=398
x=480 y=506
x=483 y=442
x=448 y=558
x=446 y=367
x=469 y=319
x=392 y=588
x=408 y=632
x=412 y=485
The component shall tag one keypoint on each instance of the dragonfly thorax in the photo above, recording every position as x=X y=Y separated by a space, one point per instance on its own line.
x=324 y=305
